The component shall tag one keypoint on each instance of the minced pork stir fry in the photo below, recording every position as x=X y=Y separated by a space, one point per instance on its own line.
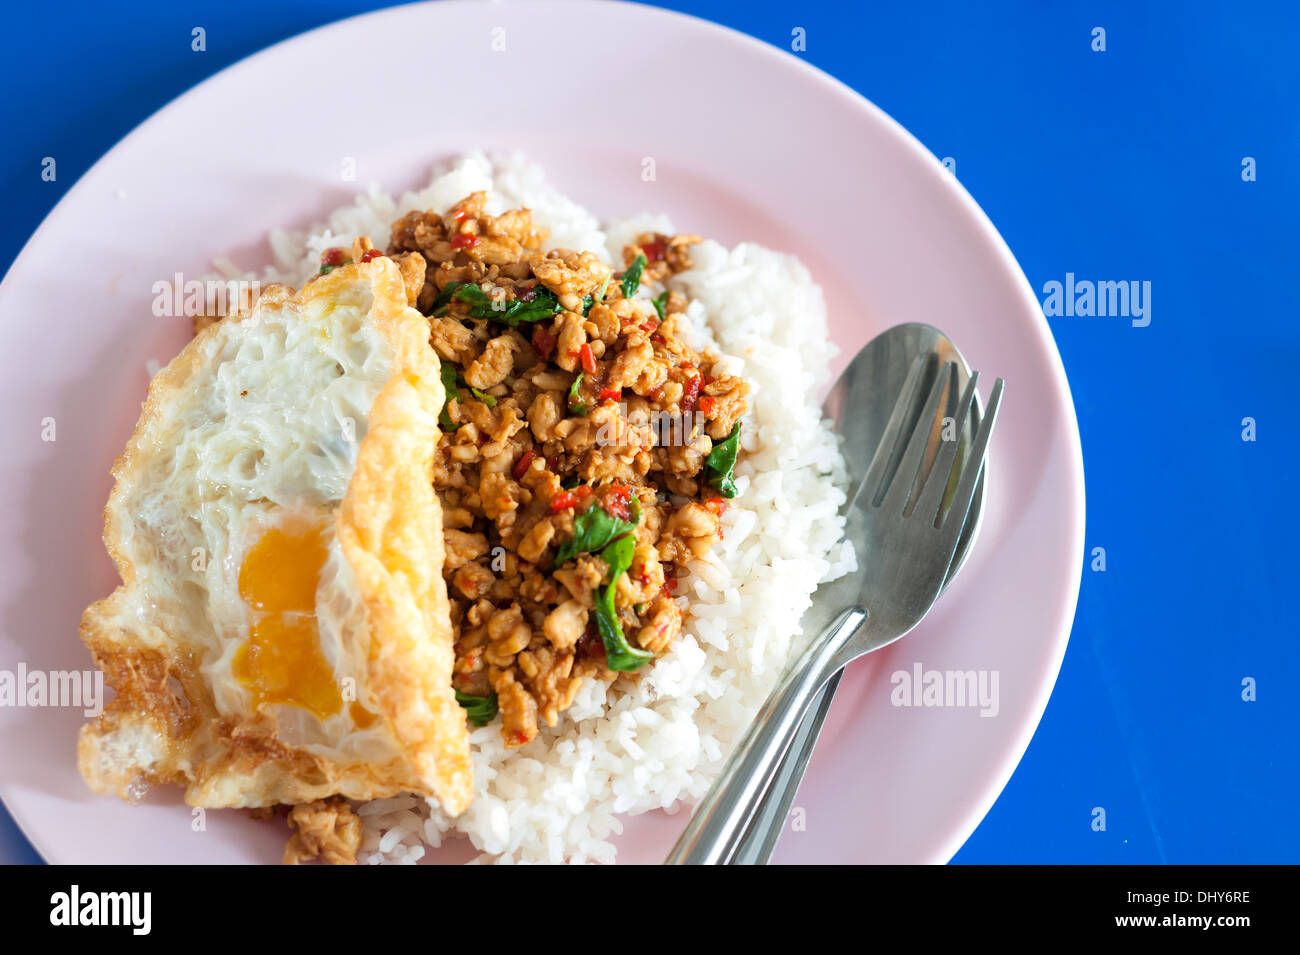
x=588 y=452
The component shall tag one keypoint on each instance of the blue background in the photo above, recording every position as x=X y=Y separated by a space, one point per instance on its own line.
x=1115 y=166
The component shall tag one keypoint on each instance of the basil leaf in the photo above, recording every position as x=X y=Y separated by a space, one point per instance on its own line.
x=722 y=461
x=593 y=530
x=517 y=311
x=481 y=710
x=600 y=292
x=472 y=294
x=543 y=306
x=449 y=379
x=597 y=530
x=619 y=654
x=587 y=303
x=484 y=397
x=444 y=298
x=576 y=406
x=632 y=277
x=660 y=303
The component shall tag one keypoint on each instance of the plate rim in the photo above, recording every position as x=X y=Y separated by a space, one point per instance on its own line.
x=1044 y=346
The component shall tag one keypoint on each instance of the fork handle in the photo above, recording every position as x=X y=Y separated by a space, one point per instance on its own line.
x=719 y=821
x=767 y=826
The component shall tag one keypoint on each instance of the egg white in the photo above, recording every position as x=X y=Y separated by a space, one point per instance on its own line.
x=260 y=424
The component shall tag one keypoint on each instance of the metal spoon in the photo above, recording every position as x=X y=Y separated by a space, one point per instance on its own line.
x=859 y=404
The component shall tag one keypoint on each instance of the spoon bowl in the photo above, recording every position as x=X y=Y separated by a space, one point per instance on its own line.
x=859 y=404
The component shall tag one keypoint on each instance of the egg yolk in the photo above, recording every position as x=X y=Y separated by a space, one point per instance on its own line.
x=282 y=660
x=361 y=716
x=282 y=571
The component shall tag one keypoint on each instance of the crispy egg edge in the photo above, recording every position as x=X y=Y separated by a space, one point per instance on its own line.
x=389 y=526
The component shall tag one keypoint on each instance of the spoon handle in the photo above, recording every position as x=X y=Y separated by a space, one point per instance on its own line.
x=719 y=821
x=768 y=823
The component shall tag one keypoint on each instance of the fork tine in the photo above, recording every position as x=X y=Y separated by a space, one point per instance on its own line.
x=952 y=521
x=878 y=470
x=936 y=483
x=900 y=489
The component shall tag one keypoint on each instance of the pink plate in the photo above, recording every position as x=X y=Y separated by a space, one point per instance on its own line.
x=891 y=236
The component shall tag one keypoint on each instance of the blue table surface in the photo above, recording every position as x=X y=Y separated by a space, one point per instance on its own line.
x=1125 y=164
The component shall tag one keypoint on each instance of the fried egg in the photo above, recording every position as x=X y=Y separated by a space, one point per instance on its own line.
x=282 y=631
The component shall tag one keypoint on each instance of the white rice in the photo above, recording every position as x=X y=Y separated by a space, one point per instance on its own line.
x=655 y=744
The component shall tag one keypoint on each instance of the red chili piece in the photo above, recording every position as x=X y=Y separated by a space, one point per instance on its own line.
x=618 y=500
x=521 y=466
x=543 y=341
x=654 y=251
x=587 y=358
x=690 y=391
x=590 y=644
x=567 y=499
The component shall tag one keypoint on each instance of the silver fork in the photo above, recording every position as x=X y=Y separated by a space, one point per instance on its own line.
x=911 y=549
